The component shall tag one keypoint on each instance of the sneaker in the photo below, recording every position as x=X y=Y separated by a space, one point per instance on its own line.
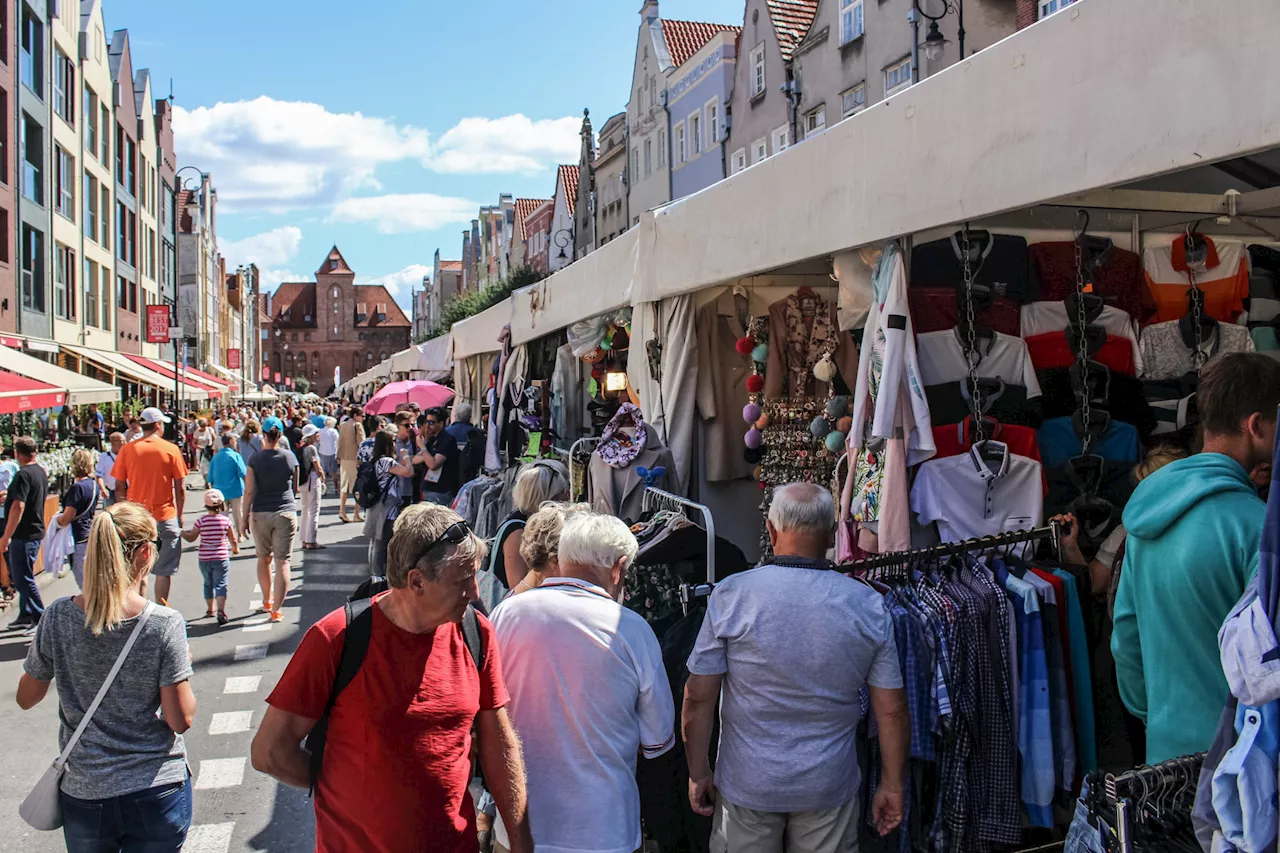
x=30 y=632
x=21 y=624
x=266 y=605
x=223 y=618
x=277 y=616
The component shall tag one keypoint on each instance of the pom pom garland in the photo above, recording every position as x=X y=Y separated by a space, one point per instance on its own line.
x=755 y=383
x=845 y=424
x=835 y=441
x=763 y=421
x=744 y=345
x=825 y=370
x=819 y=427
x=760 y=354
x=751 y=412
x=752 y=439
x=837 y=406
x=752 y=456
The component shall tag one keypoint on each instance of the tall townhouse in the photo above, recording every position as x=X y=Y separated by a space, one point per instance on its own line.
x=97 y=133
x=198 y=264
x=610 y=180
x=698 y=94
x=564 y=213
x=8 y=169
x=35 y=197
x=65 y=107
x=166 y=212
x=128 y=325
x=148 y=203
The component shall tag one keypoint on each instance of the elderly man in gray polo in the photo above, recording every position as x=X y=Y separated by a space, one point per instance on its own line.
x=786 y=647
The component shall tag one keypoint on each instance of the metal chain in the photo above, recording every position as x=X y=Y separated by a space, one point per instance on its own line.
x=1198 y=356
x=971 y=344
x=1086 y=413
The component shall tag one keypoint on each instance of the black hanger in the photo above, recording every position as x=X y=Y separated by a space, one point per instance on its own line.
x=1099 y=424
x=1197 y=250
x=1090 y=379
x=1093 y=305
x=1208 y=325
x=1086 y=471
x=1094 y=251
x=1094 y=337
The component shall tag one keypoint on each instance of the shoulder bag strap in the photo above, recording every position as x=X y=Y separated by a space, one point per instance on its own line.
x=106 y=685
x=473 y=638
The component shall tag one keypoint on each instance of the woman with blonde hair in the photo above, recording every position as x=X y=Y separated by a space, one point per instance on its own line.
x=126 y=785
x=540 y=543
x=79 y=506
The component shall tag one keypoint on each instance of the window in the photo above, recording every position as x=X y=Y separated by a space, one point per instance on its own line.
x=662 y=148
x=897 y=77
x=4 y=134
x=680 y=154
x=850 y=20
x=64 y=282
x=32 y=269
x=1048 y=7
x=4 y=235
x=635 y=164
x=695 y=135
x=781 y=139
x=65 y=166
x=104 y=192
x=739 y=161
x=90 y=120
x=32 y=159
x=853 y=100
x=122 y=241
x=757 y=70
x=104 y=133
x=4 y=33
x=122 y=292
x=648 y=157
x=815 y=121
x=90 y=292
x=64 y=87
x=32 y=59
x=759 y=150
x=713 y=122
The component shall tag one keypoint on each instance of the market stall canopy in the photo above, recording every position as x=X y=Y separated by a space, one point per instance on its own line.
x=1036 y=116
x=598 y=282
x=136 y=372
x=266 y=395
x=19 y=394
x=431 y=359
x=81 y=390
x=425 y=394
x=479 y=333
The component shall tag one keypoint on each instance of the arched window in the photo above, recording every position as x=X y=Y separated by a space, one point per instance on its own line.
x=382 y=356
x=362 y=336
x=315 y=364
x=369 y=356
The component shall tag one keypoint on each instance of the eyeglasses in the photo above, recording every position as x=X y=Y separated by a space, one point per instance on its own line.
x=431 y=422
x=454 y=534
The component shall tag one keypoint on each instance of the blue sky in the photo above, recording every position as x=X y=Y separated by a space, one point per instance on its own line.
x=381 y=126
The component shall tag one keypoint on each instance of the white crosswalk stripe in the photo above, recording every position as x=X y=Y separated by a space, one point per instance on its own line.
x=209 y=838
x=220 y=773
x=230 y=722
x=251 y=651
x=242 y=684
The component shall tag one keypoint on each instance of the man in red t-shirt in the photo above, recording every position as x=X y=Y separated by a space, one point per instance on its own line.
x=397 y=759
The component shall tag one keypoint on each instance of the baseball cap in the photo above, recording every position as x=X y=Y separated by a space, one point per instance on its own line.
x=273 y=423
x=310 y=430
x=152 y=415
x=213 y=497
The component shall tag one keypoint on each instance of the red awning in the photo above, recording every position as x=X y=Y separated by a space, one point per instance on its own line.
x=167 y=370
x=18 y=394
x=204 y=376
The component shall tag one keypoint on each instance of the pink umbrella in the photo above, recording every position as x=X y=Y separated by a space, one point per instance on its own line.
x=425 y=394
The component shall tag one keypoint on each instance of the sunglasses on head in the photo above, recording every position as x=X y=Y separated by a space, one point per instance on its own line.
x=454 y=534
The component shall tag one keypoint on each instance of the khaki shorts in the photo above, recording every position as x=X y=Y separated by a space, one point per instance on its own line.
x=739 y=830
x=347 y=475
x=273 y=533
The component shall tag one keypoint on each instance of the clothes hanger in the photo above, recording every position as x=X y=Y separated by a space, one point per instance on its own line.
x=1099 y=424
x=1093 y=335
x=1093 y=305
x=1094 y=251
x=1186 y=323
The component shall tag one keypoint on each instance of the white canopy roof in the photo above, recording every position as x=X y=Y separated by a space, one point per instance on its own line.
x=480 y=333
x=137 y=372
x=80 y=389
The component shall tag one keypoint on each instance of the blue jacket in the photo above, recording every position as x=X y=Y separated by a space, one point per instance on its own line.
x=1193 y=532
x=226 y=473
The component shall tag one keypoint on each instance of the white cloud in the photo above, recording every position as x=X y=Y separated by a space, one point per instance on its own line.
x=269 y=279
x=272 y=155
x=280 y=155
x=513 y=143
x=401 y=213
x=270 y=248
x=400 y=284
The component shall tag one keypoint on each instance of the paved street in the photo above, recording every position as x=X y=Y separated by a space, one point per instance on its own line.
x=236 y=808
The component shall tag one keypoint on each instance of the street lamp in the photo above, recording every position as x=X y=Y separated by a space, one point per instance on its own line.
x=934 y=42
x=563 y=244
x=192 y=209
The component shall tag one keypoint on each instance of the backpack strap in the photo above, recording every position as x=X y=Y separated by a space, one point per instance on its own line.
x=355 y=643
x=473 y=638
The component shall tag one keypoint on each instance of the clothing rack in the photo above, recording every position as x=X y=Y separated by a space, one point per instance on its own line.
x=948 y=549
x=655 y=498
x=573 y=451
x=1149 y=778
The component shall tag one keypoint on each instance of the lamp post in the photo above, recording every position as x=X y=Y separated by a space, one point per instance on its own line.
x=562 y=243
x=934 y=42
x=192 y=209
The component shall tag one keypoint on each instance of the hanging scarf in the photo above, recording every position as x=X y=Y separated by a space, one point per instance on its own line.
x=804 y=350
x=615 y=448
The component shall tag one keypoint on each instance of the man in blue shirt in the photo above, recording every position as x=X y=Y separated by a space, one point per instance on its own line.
x=226 y=474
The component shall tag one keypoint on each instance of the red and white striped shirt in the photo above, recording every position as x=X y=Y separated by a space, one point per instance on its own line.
x=213 y=528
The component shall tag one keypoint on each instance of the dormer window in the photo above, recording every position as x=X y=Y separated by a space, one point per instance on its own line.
x=361 y=312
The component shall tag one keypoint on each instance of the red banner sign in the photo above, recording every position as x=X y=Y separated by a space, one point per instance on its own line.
x=289 y=381
x=277 y=377
x=233 y=359
x=157 y=324
x=266 y=373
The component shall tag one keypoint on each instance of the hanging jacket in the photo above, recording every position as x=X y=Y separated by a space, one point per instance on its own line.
x=1193 y=532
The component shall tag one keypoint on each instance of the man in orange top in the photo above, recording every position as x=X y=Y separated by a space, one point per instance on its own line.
x=150 y=471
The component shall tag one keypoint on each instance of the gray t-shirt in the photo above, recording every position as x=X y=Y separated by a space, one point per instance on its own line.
x=273 y=480
x=126 y=746
x=795 y=646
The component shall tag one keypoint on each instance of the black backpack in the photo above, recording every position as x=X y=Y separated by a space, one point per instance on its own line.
x=367 y=490
x=355 y=643
x=471 y=456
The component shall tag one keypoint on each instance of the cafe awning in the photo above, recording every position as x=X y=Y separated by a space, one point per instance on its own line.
x=80 y=390
x=137 y=372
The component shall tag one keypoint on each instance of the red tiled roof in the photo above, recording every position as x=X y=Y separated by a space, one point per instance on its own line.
x=376 y=298
x=185 y=225
x=292 y=301
x=791 y=21
x=525 y=207
x=685 y=38
x=341 y=263
x=569 y=177
x=451 y=266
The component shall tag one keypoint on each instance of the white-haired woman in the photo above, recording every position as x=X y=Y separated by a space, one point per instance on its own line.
x=539 y=482
x=126 y=786
x=327 y=444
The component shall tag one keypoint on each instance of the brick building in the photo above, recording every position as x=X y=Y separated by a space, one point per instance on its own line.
x=332 y=322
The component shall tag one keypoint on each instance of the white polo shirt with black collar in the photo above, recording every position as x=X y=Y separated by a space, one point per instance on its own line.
x=1000 y=356
x=968 y=496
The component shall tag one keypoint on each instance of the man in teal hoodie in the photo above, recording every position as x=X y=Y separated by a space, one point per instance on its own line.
x=1194 y=528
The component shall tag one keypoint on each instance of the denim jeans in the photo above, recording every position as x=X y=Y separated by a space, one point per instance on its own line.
x=215 y=577
x=22 y=565
x=150 y=821
x=1082 y=836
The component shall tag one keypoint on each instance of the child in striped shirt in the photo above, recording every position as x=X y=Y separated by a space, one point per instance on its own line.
x=217 y=543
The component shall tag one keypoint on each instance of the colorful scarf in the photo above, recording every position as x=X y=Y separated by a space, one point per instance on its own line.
x=617 y=449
